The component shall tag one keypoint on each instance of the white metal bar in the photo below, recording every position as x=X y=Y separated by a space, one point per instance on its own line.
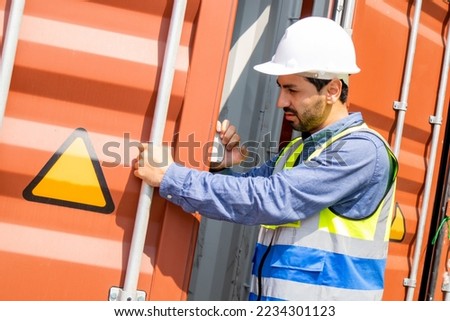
x=9 y=52
x=339 y=11
x=436 y=121
x=156 y=136
x=348 y=16
x=407 y=78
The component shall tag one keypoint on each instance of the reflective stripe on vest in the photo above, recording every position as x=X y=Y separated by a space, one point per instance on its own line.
x=294 y=291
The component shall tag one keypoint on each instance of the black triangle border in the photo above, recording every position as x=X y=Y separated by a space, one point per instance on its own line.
x=83 y=134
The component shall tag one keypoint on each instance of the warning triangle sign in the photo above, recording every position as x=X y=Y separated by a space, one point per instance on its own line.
x=398 y=228
x=72 y=177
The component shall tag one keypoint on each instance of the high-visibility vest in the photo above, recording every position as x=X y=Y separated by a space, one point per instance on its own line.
x=326 y=256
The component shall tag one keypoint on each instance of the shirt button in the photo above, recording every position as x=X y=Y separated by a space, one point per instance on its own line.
x=169 y=196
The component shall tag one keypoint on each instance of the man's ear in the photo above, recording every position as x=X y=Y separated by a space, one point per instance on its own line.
x=333 y=91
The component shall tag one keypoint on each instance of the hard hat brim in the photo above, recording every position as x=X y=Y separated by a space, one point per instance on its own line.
x=271 y=68
x=274 y=69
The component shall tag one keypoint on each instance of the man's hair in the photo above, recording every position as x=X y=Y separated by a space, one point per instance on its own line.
x=320 y=83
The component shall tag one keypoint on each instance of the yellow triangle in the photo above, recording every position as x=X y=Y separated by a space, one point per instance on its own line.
x=397 y=226
x=72 y=177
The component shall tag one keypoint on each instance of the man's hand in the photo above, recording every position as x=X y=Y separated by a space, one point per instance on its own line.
x=233 y=153
x=152 y=163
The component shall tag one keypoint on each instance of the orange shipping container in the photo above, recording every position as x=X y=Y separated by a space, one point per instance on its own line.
x=84 y=92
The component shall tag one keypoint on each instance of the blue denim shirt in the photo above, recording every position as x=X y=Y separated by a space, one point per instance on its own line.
x=350 y=177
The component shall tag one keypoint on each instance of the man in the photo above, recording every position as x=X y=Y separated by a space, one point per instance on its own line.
x=324 y=202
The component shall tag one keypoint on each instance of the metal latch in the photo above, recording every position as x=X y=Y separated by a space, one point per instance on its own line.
x=435 y=120
x=115 y=294
x=400 y=105
x=409 y=283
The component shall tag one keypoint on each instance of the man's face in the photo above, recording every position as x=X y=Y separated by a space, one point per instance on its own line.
x=304 y=107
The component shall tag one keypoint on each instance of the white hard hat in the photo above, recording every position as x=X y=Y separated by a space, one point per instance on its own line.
x=315 y=46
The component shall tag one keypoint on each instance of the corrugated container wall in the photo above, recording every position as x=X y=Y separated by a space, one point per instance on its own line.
x=82 y=95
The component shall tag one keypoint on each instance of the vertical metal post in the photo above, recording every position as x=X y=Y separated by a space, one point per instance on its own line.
x=339 y=11
x=159 y=120
x=401 y=105
x=436 y=121
x=349 y=12
x=10 y=40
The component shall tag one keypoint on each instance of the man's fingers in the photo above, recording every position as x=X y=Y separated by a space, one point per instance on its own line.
x=224 y=128
x=138 y=162
x=233 y=142
x=229 y=135
x=142 y=147
x=244 y=151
